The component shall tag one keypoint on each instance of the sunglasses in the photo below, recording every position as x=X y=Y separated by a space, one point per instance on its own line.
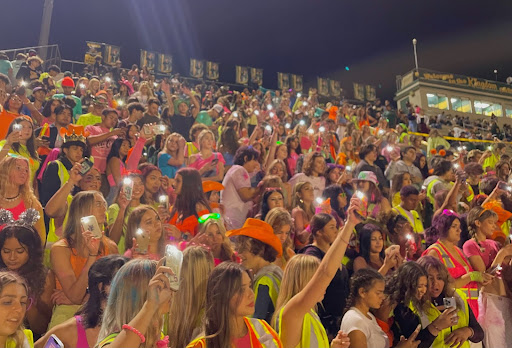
x=206 y=217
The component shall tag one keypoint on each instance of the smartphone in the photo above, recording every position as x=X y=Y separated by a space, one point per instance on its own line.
x=449 y=302
x=363 y=214
x=215 y=161
x=21 y=91
x=89 y=223
x=494 y=270
x=502 y=185
x=147 y=130
x=128 y=188
x=17 y=127
x=86 y=166
x=159 y=129
x=54 y=342
x=174 y=260
x=164 y=201
x=142 y=239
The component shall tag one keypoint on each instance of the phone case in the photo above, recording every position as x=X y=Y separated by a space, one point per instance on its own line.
x=89 y=223
x=128 y=190
x=142 y=239
x=174 y=260
x=164 y=201
x=449 y=302
x=54 y=342
x=86 y=166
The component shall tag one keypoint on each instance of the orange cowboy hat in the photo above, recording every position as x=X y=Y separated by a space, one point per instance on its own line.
x=259 y=230
x=212 y=186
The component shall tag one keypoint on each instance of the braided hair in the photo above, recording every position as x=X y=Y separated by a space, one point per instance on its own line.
x=364 y=278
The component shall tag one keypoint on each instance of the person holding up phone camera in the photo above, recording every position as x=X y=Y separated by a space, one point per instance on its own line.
x=209 y=163
x=81 y=245
x=464 y=326
x=72 y=151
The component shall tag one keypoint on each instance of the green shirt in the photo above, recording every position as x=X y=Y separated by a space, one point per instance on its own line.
x=77 y=110
x=88 y=120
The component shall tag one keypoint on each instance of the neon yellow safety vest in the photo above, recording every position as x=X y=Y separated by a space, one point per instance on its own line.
x=430 y=186
x=313 y=332
x=273 y=283
x=52 y=235
x=433 y=313
x=416 y=224
x=471 y=193
x=261 y=335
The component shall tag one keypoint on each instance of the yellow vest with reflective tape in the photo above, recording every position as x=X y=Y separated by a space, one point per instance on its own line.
x=430 y=186
x=416 y=224
x=260 y=333
x=433 y=313
x=273 y=283
x=313 y=332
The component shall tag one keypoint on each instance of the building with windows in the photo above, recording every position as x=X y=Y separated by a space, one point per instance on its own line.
x=436 y=92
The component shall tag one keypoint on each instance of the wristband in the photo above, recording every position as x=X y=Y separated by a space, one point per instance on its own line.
x=135 y=331
x=435 y=327
x=476 y=276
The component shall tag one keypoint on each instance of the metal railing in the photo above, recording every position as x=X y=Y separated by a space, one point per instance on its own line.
x=50 y=54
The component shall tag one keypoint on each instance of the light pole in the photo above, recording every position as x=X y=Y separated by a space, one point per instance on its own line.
x=496 y=74
x=46 y=21
x=414 y=42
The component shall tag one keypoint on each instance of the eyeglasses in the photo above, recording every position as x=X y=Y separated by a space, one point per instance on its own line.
x=206 y=217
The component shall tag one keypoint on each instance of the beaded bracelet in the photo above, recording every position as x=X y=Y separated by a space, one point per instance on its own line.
x=135 y=331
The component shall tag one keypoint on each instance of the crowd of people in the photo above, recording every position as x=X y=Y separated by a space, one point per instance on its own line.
x=144 y=212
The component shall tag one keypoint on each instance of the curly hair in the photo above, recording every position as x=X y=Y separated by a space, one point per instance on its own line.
x=402 y=286
x=33 y=270
x=256 y=247
x=309 y=161
x=440 y=227
x=364 y=278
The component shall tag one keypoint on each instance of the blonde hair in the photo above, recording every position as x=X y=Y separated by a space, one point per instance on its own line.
x=277 y=218
x=150 y=90
x=202 y=135
x=81 y=205
x=27 y=195
x=227 y=252
x=172 y=135
x=128 y=293
x=297 y=274
x=7 y=278
x=275 y=162
x=91 y=81
x=189 y=301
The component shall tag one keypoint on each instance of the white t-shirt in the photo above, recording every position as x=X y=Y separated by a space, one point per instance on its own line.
x=235 y=209
x=355 y=320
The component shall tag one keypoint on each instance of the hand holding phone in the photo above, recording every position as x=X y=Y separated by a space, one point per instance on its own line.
x=86 y=166
x=90 y=224
x=174 y=260
x=54 y=342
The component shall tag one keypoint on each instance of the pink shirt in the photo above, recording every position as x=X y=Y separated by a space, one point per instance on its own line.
x=487 y=250
x=235 y=209
x=100 y=151
x=200 y=162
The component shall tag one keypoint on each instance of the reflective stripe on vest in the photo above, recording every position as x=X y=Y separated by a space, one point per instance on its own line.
x=260 y=333
x=313 y=332
x=430 y=186
x=273 y=284
x=433 y=313
x=416 y=224
x=471 y=193
x=470 y=292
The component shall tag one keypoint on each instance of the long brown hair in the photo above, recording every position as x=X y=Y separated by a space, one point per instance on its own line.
x=191 y=193
x=224 y=283
x=134 y=223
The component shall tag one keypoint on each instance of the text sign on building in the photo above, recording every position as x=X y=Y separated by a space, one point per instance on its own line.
x=466 y=81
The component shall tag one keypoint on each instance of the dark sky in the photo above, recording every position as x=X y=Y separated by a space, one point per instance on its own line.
x=309 y=37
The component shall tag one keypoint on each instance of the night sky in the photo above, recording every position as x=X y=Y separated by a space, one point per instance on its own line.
x=309 y=37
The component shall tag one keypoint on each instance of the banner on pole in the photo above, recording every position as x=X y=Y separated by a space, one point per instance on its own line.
x=112 y=54
x=297 y=83
x=93 y=49
x=148 y=60
x=196 y=68
x=257 y=76
x=323 y=86
x=164 y=63
x=242 y=75
x=212 y=70
x=335 y=88
x=283 y=80
x=358 y=91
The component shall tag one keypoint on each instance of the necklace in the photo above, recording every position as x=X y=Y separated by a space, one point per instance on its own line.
x=11 y=199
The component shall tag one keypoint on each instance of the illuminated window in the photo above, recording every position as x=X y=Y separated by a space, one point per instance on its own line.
x=508 y=111
x=437 y=101
x=461 y=104
x=487 y=108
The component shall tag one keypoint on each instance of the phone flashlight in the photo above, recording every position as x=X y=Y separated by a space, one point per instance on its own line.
x=299 y=95
x=269 y=107
x=287 y=126
x=305 y=103
x=256 y=112
x=310 y=131
x=302 y=122
x=322 y=129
